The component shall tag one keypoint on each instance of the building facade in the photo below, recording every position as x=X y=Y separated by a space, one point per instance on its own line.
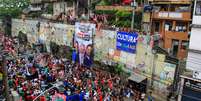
x=53 y=9
x=194 y=54
x=190 y=88
x=171 y=20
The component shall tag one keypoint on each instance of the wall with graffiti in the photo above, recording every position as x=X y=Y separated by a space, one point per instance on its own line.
x=62 y=34
x=105 y=49
x=141 y=62
x=27 y=27
x=164 y=74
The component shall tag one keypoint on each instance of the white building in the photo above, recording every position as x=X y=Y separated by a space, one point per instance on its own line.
x=194 y=54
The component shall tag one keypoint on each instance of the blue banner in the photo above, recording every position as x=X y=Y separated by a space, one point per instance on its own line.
x=127 y=41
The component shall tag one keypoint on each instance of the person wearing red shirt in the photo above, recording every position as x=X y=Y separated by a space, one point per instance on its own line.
x=110 y=84
x=100 y=94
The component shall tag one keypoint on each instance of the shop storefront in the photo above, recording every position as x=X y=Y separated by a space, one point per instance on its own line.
x=191 y=89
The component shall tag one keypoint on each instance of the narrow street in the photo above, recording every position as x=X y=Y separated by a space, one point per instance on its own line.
x=100 y=50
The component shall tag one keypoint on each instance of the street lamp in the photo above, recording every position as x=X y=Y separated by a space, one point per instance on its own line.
x=133 y=5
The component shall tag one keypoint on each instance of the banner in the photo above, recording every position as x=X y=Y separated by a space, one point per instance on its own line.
x=83 y=42
x=126 y=41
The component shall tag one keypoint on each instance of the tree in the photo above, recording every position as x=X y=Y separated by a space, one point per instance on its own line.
x=13 y=7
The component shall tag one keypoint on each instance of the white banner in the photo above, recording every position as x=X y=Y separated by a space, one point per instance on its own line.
x=84 y=32
x=83 y=42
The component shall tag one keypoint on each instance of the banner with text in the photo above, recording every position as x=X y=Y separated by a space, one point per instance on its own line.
x=126 y=41
x=83 y=42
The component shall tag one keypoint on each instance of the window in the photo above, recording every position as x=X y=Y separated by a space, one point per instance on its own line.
x=168 y=26
x=184 y=45
x=181 y=27
x=175 y=47
x=164 y=8
x=156 y=26
x=198 y=8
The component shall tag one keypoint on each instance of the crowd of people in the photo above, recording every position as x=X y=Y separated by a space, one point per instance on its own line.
x=32 y=75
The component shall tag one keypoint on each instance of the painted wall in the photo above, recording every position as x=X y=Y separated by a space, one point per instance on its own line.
x=163 y=74
x=28 y=27
x=105 y=49
x=62 y=34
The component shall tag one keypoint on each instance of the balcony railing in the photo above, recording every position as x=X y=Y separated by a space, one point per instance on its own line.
x=172 y=15
x=121 y=8
x=176 y=35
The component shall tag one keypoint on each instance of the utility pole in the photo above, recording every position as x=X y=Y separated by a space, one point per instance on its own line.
x=133 y=5
x=89 y=11
x=77 y=8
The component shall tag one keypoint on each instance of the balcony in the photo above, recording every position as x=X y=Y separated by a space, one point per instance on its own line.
x=120 y=8
x=176 y=35
x=41 y=1
x=172 y=15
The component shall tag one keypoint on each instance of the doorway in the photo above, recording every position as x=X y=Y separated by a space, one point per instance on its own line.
x=175 y=47
x=156 y=27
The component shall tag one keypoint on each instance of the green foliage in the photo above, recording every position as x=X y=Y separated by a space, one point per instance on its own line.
x=123 y=19
x=104 y=3
x=123 y=14
x=12 y=7
x=105 y=12
x=119 y=69
x=120 y=18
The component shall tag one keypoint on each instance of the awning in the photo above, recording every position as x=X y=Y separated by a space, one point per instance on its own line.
x=137 y=78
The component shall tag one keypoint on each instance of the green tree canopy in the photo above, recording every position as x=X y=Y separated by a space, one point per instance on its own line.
x=13 y=7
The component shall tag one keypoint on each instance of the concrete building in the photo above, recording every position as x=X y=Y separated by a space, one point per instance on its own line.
x=52 y=9
x=171 y=20
x=190 y=88
x=194 y=54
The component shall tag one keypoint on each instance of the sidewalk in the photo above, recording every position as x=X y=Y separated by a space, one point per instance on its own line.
x=155 y=95
x=158 y=97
